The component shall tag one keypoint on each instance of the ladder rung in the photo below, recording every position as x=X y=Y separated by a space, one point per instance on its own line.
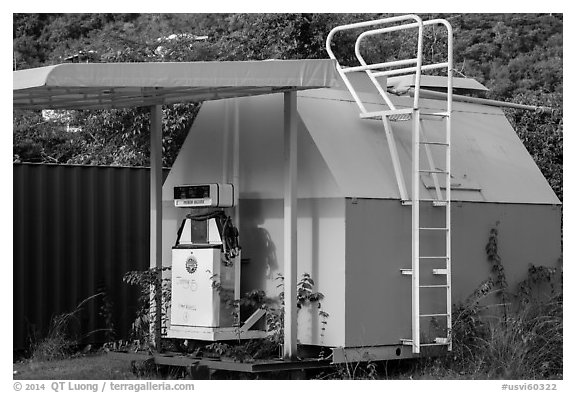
x=406 y=341
x=434 y=257
x=434 y=229
x=435 y=202
x=432 y=344
x=437 y=341
x=440 y=271
x=440 y=114
x=435 y=286
x=435 y=143
x=432 y=171
x=406 y=272
x=433 y=315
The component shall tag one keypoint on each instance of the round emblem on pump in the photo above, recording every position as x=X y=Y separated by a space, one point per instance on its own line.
x=191 y=264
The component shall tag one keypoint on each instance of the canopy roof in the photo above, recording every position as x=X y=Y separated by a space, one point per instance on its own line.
x=115 y=85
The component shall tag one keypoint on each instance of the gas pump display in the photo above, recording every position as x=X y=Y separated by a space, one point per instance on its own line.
x=204 y=195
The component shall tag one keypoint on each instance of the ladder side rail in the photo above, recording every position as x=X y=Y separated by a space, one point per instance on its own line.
x=416 y=200
x=415 y=233
x=448 y=191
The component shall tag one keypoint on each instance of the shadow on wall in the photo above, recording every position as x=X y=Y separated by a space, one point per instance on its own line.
x=258 y=249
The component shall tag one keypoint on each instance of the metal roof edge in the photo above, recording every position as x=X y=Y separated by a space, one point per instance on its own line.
x=559 y=204
x=52 y=164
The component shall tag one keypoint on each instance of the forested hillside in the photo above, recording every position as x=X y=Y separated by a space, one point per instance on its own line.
x=517 y=56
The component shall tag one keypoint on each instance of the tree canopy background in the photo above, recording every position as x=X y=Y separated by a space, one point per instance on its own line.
x=517 y=56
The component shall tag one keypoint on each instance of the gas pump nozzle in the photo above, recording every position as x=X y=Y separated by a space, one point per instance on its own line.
x=227 y=233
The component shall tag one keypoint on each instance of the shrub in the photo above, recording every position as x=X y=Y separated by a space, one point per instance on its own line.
x=63 y=335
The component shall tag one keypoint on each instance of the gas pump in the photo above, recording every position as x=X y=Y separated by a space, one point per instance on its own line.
x=206 y=261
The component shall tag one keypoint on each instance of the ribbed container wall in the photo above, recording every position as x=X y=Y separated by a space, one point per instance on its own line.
x=77 y=231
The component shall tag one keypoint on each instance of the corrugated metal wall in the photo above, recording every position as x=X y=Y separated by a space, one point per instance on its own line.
x=77 y=231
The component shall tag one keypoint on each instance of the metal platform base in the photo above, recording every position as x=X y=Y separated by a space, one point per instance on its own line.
x=195 y=365
x=257 y=366
x=383 y=352
x=204 y=367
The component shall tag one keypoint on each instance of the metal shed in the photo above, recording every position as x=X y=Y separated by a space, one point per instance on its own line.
x=353 y=230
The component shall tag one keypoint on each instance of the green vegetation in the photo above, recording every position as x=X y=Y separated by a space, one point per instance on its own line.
x=247 y=350
x=148 y=281
x=518 y=56
x=93 y=366
x=498 y=332
x=64 y=336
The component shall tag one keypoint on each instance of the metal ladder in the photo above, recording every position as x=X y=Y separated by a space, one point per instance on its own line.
x=440 y=176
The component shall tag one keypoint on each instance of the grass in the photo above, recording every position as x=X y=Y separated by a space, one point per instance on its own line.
x=520 y=338
x=62 y=339
x=98 y=366
x=525 y=344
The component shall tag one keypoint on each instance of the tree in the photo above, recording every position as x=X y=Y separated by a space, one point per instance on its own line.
x=517 y=56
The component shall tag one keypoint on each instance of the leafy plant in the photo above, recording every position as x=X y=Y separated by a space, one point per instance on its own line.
x=517 y=56
x=305 y=296
x=63 y=336
x=149 y=282
x=497 y=270
x=106 y=313
x=269 y=347
x=525 y=342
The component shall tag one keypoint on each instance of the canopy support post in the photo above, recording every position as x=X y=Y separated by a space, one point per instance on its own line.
x=156 y=219
x=290 y=224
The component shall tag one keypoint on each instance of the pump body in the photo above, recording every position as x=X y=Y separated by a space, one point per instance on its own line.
x=206 y=267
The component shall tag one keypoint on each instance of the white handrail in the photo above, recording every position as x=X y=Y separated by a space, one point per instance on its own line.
x=379 y=65
x=417 y=68
x=365 y=24
x=418 y=21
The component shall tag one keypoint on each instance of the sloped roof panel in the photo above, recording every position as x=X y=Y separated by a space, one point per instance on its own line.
x=489 y=162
